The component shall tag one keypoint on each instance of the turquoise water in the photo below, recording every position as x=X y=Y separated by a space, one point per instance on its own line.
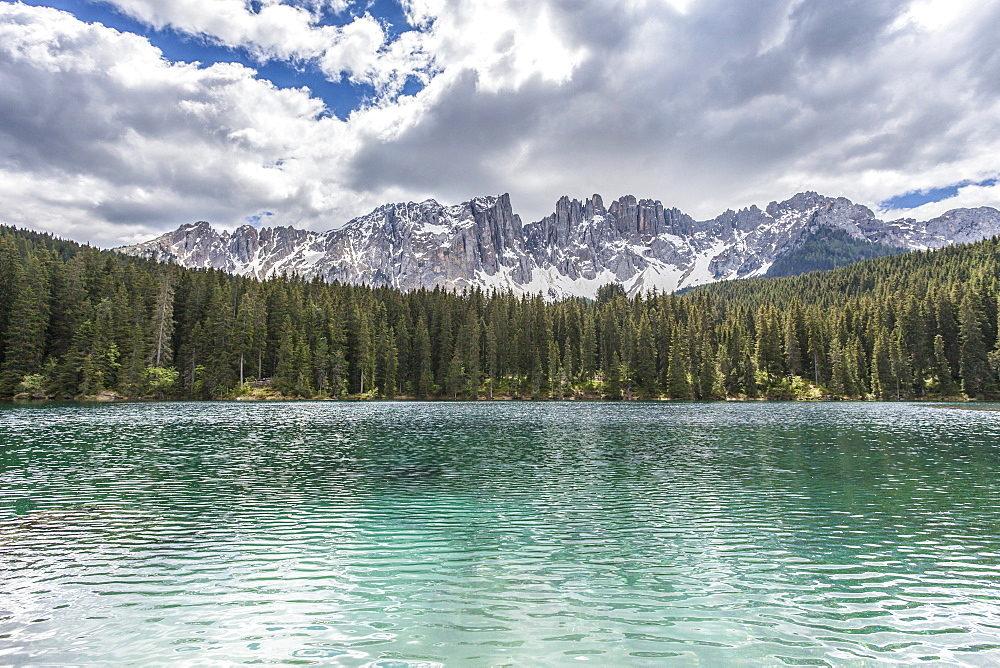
x=468 y=534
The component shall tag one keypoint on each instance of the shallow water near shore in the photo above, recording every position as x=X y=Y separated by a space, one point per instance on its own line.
x=456 y=534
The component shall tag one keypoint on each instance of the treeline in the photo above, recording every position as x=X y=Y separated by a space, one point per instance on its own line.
x=827 y=249
x=78 y=322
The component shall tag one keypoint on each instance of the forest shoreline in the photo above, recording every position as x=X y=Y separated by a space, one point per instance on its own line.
x=79 y=323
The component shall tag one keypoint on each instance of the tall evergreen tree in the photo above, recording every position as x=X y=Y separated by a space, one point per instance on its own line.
x=883 y=379
x=613 y=383
x=425 y=373
x=28 y=318
x=588 y=346
x=977 y=376
x=11 y=277
x=491 y=354
x=793 y=348
x=678 y=381
x=770 y=342
x=645 y=364
x=945 y=379
x=161 y=350
x=250 y=334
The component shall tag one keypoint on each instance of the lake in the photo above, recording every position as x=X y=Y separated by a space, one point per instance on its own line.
x=474 y=534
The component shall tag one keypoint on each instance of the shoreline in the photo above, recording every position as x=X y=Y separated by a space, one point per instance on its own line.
x=954 y=401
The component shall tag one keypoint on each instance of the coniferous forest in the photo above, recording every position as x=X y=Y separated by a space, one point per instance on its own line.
x=78 y=322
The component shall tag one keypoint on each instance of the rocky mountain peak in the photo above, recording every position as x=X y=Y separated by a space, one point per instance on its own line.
x=581 y=245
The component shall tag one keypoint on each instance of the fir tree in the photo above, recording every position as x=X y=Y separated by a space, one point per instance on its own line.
x=645 y=365
x=977 y=376
x=678 y=381
x=945 y=379
x=28 y=318
x=425 y=374
x=613 y=383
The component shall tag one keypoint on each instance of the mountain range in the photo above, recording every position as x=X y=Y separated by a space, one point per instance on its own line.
x=582 y=245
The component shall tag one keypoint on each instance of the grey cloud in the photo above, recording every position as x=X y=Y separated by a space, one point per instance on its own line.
x=700 y=109
x=843 y=29
x=458 y=143
x=77 y=123
x=983 y=54
x=51 y=120
x=708 y=101
x=636 y=117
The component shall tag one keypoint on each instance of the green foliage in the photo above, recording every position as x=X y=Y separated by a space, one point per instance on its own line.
x=32 y=386
x=610 y=292
x=76 y=321
x=827 y=249
x=161 y=381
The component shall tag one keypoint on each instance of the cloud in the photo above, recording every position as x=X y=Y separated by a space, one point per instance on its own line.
x=714 y=105
x=705 y=104
x=102 y=134
x=985 y=193
x=358 y=50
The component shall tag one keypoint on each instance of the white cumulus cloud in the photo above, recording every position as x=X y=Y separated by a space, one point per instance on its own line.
x=704 y=104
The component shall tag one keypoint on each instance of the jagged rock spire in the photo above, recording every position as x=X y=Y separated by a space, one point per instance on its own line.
x=582 y=245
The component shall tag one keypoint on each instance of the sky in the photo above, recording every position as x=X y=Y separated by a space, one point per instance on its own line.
x=123 y=119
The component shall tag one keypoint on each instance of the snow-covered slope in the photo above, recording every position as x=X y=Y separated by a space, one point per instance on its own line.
x=579 y=247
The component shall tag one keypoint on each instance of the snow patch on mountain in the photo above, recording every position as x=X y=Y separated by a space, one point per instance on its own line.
x=582 y=245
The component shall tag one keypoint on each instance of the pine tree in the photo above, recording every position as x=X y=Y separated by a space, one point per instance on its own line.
x=588 y=347
x=748 y=374
x=883 y=378
x=286 y=373
x=219 y=361
x=678 y=382
x=899 y=363
x=977 y=376
x=161 y=350
x=404 y=351
x=250 y=333
x=491 y=354
x=817 y=346
x=470 y=347
x=946 y=321
x=709 y=378
x=444 y=342
x=793 y=349
x=613 y=375
x=645 y=365
x=945 y=379
x=770 y=348
x=338 y=373
x=838 y=367
x=456 y=375
x=364 y=349
x=425 y=374
x=303 y=368
x=536 y=376
x=320 y=363
x=11 y=278
x=388 y=359
x=567 y=368
x=27 y=322
x=914 y=339
x=555 y=381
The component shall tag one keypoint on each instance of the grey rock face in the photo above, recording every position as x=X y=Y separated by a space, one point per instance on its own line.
x=579 y=247
x=410 y=246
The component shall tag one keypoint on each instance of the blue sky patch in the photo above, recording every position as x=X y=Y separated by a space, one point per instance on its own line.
x=340 y=97
x=915 y=198
x=256 y=219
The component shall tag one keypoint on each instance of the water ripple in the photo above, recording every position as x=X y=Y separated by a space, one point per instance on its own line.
x=409 y=534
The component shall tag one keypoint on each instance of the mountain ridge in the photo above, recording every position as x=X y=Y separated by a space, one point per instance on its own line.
x=637 y=243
